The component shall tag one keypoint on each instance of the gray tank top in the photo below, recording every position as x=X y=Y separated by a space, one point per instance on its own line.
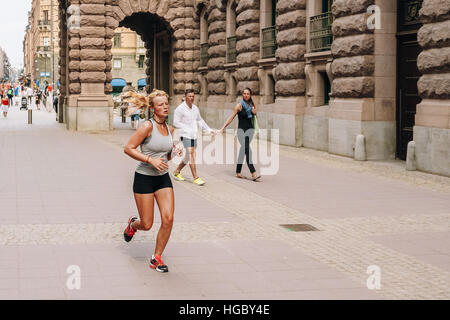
x=157 y=146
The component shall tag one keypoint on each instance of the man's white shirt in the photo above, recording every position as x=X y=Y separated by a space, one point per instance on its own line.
x=187 y=120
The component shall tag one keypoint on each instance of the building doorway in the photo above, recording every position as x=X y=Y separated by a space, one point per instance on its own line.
x=408 y=74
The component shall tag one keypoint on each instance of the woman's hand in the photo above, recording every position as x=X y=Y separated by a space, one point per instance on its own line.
x=159 y=164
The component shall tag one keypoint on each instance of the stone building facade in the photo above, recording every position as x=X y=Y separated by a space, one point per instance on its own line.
x=325 y=73
x=41 y=42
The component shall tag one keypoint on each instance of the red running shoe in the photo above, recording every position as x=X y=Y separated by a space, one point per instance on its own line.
x=129 y=231
x=157 y=264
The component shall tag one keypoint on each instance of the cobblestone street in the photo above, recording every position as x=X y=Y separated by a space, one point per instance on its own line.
x=66 y=197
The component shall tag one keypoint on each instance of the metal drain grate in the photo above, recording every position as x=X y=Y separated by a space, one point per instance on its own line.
x=299 y=227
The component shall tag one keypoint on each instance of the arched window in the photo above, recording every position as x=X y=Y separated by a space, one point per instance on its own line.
x=231 y=31
x=203 y=38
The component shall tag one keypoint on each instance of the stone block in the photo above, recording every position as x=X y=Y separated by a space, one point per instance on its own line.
x=353 y=66
x=353 y=46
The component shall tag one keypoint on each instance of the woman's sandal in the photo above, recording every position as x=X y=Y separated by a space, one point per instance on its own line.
x=240 y=177
x=256 y=179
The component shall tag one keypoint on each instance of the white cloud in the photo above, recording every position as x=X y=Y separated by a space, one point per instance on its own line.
x=14 y=19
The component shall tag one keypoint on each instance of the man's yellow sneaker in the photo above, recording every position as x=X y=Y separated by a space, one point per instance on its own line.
x=178 y=176
x=199 y=181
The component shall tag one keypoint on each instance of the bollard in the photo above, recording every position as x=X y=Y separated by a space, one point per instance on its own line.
x=411 y=156
x=30 y=116
x=124 y=119
x=360 y=148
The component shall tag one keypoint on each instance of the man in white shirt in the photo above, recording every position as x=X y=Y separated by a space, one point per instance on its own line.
x=186 y=118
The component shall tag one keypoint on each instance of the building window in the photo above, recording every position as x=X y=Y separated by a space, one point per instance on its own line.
x=271 y=94
x=268 y=31
x=326 y=88
x=140 y=43
x=203 y=39
x=320 y=35
x=117 y=63
x=231 y=31
x=45 y=16
x=117 y=40
x=141 y=61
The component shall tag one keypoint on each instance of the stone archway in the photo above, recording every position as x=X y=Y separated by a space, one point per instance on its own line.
x=85 y=57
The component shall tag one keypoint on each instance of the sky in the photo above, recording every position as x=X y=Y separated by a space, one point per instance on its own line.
x=12 y=29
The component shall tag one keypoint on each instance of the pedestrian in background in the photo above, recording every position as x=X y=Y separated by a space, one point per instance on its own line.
x=246 y=111
x=10 y=93
x=151 y=180
x=38 y=99
x=5 y=105
x=187 y=118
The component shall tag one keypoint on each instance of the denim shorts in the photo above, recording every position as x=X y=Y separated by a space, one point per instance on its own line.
x=135 y=117
x=189 y=143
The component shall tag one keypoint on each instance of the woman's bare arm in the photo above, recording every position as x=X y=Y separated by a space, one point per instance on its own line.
x=136 y=140
x=237 y=108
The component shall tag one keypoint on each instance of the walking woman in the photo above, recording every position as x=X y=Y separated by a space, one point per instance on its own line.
x=38 y=99
x=245 y=110
x=5 y=105
x=151 y=180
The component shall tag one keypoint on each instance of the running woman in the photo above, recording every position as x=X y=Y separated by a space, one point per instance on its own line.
x=151 y=180
x=245 y=110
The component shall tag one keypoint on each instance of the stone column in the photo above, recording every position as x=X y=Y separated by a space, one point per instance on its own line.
x=110 y=23
x=432 y=123
x=63 y=89
x=217 y=49
x=214 y=76
x=92 y=108
x=186 y=46
x=247 y=45
x=353 y=88
x=289 y=74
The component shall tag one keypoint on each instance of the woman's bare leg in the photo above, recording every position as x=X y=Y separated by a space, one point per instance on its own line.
x=166 y=203
x=145 y=205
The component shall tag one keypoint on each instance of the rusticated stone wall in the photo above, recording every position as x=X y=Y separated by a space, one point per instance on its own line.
x=63 y=48
x=93 y=31
x=247 y=45
x=89 y=44
x=73 y=52
x=352 y=50
x=434 y=60
x=291 y=38
x=216 y=18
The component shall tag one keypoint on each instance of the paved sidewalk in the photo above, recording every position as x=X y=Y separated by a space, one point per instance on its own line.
x=66 y=197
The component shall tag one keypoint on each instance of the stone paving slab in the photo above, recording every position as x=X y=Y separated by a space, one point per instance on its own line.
x=67 y=195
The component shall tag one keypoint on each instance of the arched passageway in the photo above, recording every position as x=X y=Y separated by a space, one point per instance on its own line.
x=87 y=29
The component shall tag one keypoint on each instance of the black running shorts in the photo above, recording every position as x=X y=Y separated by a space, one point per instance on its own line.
x=144 y=184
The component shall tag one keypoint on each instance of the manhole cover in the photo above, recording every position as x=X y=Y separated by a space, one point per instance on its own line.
x=299 y=227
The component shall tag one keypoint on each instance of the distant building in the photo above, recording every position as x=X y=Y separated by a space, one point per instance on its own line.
x=41 y=43
x=128 y=61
